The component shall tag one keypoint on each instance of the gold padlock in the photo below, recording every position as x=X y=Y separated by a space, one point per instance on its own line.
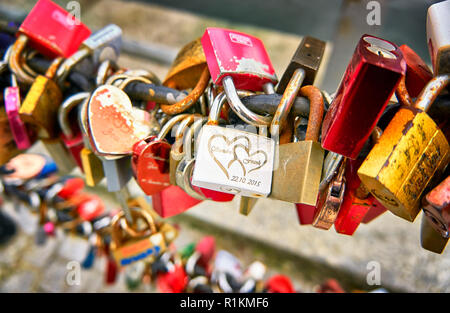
x=411 y=150
x=246 y=205
x=297 y=177
x=92 y=167
x=140 y=245
x=189 y=70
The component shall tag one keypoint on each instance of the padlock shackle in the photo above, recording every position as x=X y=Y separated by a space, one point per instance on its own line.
x=103 y=70
x=65 y=108
x=430 y=92
x=315 y=112
x=181 y=130
x=116 y=234
x=54 y=67
x=183 y=178
x=144 y=74
x=402 y=94
x=16 y=59
x=192 y=98
x=216 y=107
x=68 y=65
x=170 y=123
x=187 y=140
x=239 y=108
x=287 y=100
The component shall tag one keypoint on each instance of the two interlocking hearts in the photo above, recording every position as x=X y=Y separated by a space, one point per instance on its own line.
x=238 y=150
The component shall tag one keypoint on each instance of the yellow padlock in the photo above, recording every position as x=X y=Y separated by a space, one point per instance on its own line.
x=411 y=150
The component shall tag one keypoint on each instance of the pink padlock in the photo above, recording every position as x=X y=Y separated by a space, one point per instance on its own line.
x=18 y=128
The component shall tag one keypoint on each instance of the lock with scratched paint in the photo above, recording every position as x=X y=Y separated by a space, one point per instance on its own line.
x=438 y=37
x=50 y=30
x=129 y=246
x=368 y=83
x=188 y=71
x=231 y=160
x=411 y=150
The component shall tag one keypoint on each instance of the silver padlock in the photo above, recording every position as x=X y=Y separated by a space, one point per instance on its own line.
x=233 y=161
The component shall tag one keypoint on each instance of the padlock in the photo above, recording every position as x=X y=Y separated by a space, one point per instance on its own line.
x=174 y=281
x=172 y=201
x=297 y=177
x=147 y=247
x=91 y=208
x=279 y=284
x=238 y=61
x=50 y=30
x=411 y=150
x=134 y=273
x=188 y=70
x=357 y=201
x=437 y=207
x=186 y=165
x=233 y=161
x=8 y=147
x=104 y=44
x=151 y=159
x=370 y=79
x=417 y=72
x=438 y=37
x=430 y=238
x=308 y=56
x=12 y=104
x=71 y=134
x=330 y=200
x=374 y=211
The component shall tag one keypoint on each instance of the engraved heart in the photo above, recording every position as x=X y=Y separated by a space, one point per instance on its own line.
x=249 y=161
x=113 y=125
x=221 y=149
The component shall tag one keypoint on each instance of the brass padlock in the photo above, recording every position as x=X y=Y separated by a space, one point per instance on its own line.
x=140 y=245
x=297 y=177
x=430 y=238
x=8 y=147
x=189 y=70
x=411 y=150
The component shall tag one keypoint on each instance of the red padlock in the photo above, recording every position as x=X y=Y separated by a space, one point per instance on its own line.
x=330 y=286
x=91 y=208
x=71 y=187
x=375 y=210
x=305 y=212
x=239 y=56
x=369 y=82
x=206 y=247
x=52 y=30
x=172 y=201
x=418 y=74
x=357 y=201
x=173 y=281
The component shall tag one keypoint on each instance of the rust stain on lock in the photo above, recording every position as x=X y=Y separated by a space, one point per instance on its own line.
x=397 y=170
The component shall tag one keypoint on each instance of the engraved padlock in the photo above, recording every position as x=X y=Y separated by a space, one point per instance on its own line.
x=368 y=83
x=411 y=150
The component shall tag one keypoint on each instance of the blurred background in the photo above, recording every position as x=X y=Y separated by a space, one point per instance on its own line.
x=153 y=33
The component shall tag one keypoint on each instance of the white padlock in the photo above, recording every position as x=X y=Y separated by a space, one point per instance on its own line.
x=231 y=160
x=438 y=36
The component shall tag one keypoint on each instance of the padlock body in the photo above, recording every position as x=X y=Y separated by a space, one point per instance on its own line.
x=172 y=201
x=141 y=249
x=92 y=167
x=151 y=165
x=241 y=56
x=187 y=67
x=52 y=30
x=399 y=167
x=351 y=213
x=438 y=37
x=430 y=239
x=246 y=205
x=41 y=105
x=305 y=213
x=417 y=72
x=107 y=38
x=308 y=56
x=374 y=211
x=234 y=161
x=368 y=84
x=8 y=147
x=437 y=207
x=18 y=128
x=74 y=145
x=297 y=177
x=217 y=195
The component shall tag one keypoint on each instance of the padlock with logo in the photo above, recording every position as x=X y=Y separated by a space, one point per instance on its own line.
x=297 y=177
x=231 y=160
x=146 y=246
x=188 y=70
x=50 y=30
x=438 y=37
x=436 y=207
x=71 y=134
x=330 y=199
x=368 y=83
x=411 y=150
x=104 y=44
